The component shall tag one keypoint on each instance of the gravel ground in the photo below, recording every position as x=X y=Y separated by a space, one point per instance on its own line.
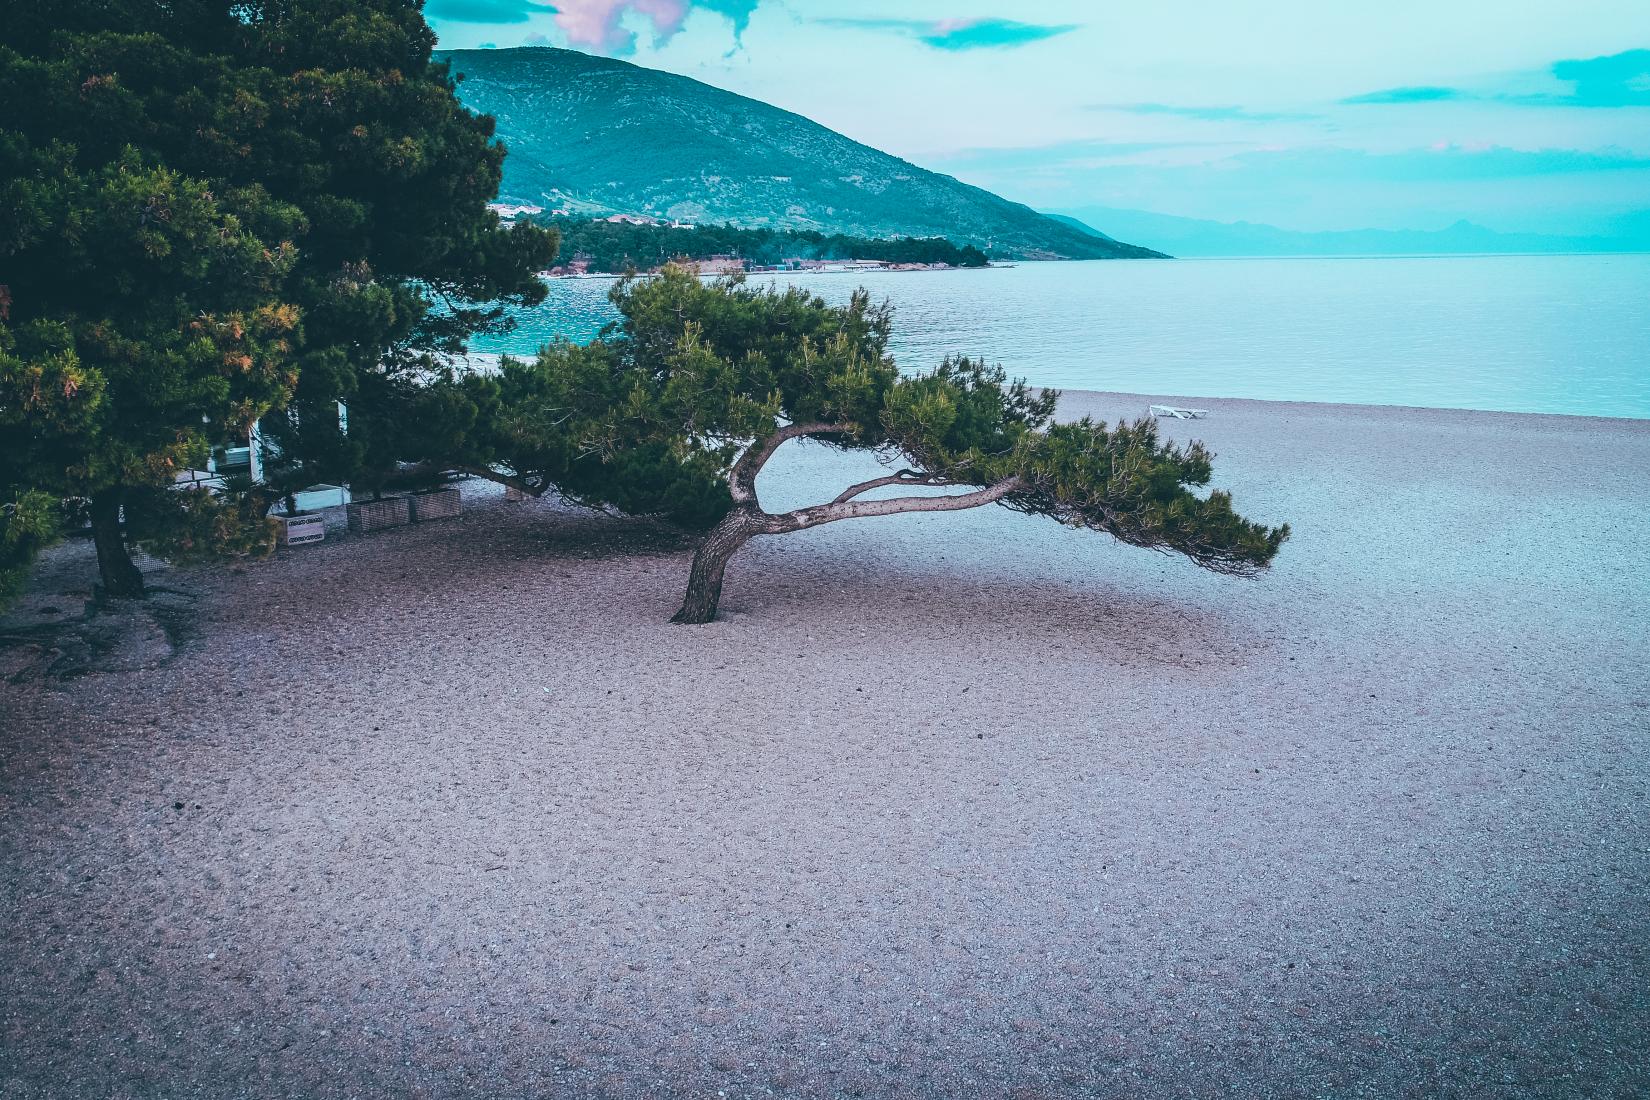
x=954 y=804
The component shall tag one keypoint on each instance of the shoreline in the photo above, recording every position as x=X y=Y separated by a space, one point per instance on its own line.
x=1327 y=407
x=489 y=361
x=893 y=269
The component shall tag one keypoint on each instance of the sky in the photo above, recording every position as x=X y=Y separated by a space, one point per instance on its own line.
x=1307 y=114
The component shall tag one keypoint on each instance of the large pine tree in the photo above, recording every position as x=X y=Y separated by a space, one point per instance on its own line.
x=212 y=209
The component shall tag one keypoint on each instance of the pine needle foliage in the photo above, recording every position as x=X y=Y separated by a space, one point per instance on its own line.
x=676 y=408
x=220 y=212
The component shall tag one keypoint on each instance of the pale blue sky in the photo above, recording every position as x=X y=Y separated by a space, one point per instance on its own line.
x=1310 y=114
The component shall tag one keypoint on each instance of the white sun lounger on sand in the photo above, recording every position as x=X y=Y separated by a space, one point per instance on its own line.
x=1177 y=412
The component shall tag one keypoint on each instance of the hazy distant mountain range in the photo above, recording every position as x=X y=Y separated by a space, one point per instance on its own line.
x=1196 y=237
x=596 y=136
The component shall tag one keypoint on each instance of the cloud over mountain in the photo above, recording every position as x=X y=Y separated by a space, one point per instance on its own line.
x=486 y=11
x=598 y=25
x=959 y=34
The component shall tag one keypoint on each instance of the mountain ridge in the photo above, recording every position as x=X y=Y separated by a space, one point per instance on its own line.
x=598 y=136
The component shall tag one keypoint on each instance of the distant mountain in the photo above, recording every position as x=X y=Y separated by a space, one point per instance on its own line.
x=1077 y=224
x=598 y=136
x=1195 y=237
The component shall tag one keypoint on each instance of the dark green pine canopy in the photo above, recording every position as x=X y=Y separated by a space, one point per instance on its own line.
x=676 y=408
x=212 y=211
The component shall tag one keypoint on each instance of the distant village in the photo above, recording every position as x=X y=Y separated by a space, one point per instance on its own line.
x=579 y=265
x=722 y=264
x=509 y=212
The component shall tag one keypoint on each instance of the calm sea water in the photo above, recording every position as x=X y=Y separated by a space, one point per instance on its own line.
x=1556 y=334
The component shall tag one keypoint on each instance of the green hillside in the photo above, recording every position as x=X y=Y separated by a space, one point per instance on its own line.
x=598 y=136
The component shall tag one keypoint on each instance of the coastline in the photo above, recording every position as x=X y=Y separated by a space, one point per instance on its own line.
x=1122 y=400
x=946 y=802
x=889 y=269
x=1118 y=402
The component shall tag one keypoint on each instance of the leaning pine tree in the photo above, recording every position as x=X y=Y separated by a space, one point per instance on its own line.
x=681 y=404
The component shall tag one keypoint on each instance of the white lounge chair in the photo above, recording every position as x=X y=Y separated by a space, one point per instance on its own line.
x=1178 y=413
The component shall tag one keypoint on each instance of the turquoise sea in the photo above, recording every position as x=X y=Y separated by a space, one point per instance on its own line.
x=1553 y=334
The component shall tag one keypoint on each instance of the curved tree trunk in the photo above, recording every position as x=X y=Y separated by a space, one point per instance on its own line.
x=121 y=578
x=704 y=590
x=747 y=517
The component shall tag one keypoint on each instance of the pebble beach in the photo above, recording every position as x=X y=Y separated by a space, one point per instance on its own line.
x=950 y=804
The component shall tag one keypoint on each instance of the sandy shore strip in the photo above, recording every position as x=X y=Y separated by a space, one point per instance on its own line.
x=956 y=804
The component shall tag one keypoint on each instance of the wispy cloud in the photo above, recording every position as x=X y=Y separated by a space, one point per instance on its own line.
x=737 y=12
x=1619 y=80
x=596 y=24
x=1325 y=186
x=960 y=34
x=1208 y=114
x=1615 y=80
x=1065 y=158
x=1425 y=93
x=1440 y=162
x=486 y=11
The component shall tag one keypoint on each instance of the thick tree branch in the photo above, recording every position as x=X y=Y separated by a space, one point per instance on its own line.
x=904 y=477
x=503 y=479
x=742 y=478
x=803 y=518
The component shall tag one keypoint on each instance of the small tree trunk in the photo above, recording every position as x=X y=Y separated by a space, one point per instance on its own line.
x=704 y=590
x=121 y=578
